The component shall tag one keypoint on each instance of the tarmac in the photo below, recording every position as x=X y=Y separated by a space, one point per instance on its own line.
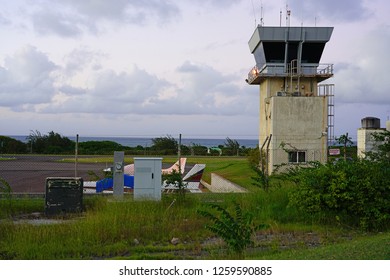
x=28 y=173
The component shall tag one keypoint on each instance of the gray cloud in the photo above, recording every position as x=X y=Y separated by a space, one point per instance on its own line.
x=47 y=22
x=187 y=67
x=71 y=18
x=81 y=58
x=218 y=3
x=204 y=91
x=111 y=93
x=29 y=81
x=366 y=79
x=341 y=11
x=26 y=78
x=4 y=20
x=123 y=10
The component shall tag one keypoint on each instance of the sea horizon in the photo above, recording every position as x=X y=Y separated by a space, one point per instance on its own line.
x=134 y=141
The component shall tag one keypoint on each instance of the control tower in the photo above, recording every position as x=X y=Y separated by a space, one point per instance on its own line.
x=296 y=111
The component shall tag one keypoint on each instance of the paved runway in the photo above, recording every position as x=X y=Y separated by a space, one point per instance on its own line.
x=27 y=174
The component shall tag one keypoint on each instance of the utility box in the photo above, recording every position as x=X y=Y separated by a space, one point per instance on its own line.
x=147 y=178
x=118 y=173
x=63 y=195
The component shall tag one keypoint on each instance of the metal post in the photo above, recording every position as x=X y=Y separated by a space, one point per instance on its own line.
x=179 y=153
x=76 y=155
x=118 y=175
x=261 y=155
x=267 y=158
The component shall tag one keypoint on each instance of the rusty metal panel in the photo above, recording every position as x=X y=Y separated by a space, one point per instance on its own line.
x=63 y=195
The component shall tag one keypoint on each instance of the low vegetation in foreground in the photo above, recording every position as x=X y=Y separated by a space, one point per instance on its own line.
x=320 y=212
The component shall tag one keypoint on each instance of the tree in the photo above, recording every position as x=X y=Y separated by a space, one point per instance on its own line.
x=233 y=146
x=176 y=180
x=9 y=145
x=198 y=150
x=55 y=143
x=34 y=140
x=52 y=143
x=382 y=152
x=345 y=141
x=165 y=145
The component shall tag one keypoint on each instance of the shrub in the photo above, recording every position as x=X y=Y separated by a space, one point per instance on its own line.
x=236 y=230
x=6 y=191
x=359 y=191
x=9 y=145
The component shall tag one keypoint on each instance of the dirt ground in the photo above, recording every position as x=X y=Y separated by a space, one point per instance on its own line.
x=27 y=174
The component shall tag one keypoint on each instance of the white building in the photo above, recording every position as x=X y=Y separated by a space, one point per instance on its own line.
x=365 y=140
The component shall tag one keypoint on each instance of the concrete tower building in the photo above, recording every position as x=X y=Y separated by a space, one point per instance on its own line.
x=296 y=112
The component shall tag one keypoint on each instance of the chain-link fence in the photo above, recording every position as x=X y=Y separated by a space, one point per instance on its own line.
x=27 y=173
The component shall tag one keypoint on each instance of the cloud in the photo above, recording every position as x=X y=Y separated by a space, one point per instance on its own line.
x=110 y=93
x=217 y=3
x=213 y=92
x=72 y=18
x=124 y=10
x=365 y=79
x=31 y=86
x=30 y=82
x=333 y=10
x=4 y=20
x=82 y=58
x=188 y=67
x=48 y=22
x=26 y=78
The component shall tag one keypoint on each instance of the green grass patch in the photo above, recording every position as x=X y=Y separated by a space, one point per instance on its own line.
x=128 y=229
x=371 y=247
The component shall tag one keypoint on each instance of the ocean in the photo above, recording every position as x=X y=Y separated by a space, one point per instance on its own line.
x=147 y=142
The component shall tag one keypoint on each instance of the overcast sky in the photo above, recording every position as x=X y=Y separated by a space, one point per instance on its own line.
x=153 y=68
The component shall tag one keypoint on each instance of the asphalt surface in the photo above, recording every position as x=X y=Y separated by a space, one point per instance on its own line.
x=27 y=174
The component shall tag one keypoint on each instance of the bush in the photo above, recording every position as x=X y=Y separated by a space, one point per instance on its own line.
x=357 y=191
x=9 y=145
x=165 y=145
x=235 y=229
x=52 y=143
x=100 y=147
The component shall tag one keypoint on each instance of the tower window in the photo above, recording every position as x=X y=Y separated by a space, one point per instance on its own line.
x=297 y=157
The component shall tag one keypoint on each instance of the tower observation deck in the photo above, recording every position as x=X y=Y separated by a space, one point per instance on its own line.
x=289 y=51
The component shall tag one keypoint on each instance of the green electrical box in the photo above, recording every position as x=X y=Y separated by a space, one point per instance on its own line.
x=63 y=195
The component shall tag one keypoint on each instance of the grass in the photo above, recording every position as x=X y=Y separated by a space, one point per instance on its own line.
x=361 y=248
x=15 y=207
x=128 y=229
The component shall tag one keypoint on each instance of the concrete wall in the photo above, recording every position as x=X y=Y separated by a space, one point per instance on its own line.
x=365 y=141
x=219 y=184
x=299 y=121
x=297 y=124
x=269 y=88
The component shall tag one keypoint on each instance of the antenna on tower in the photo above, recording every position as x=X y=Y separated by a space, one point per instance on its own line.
x=288 y=13
x=254 y=13
x=280 y=18
x=261 y=14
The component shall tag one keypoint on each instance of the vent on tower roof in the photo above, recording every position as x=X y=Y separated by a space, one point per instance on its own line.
x=371 y=122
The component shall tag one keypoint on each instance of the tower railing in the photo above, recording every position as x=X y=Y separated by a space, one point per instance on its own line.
x=256 y=74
